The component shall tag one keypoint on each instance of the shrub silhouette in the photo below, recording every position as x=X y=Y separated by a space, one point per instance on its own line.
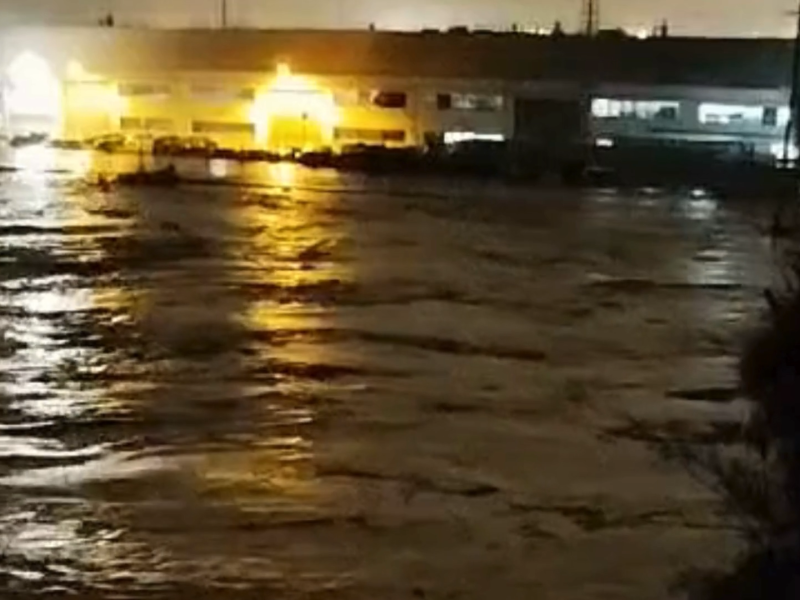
x=759 y=481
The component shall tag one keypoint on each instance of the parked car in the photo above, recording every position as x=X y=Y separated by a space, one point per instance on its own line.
x=173 y=145
x=28 y=139
x=113 y=142
x=67 y=144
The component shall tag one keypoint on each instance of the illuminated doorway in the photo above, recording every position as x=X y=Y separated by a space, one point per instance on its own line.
x=294 y=114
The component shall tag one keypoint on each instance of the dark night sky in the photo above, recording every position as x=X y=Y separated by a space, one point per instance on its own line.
x=694 y=17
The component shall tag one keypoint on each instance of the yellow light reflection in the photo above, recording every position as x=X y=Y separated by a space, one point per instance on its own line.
x=283 y=174
x=294 y=253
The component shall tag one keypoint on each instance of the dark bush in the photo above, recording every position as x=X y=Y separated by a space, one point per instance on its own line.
x=759 y=481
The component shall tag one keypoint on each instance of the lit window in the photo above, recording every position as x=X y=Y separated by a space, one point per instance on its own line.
x=784 y=116
x=455 y=137
x=603 y=108
x=648 y=110
x=480 y=102
x=730 y=114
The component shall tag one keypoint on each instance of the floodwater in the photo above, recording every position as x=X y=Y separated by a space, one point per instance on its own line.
x=326 y=386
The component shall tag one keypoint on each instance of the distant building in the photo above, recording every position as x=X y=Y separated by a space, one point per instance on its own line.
x=303 y=89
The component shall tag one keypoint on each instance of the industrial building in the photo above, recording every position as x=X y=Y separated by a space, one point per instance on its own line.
x=283 y=90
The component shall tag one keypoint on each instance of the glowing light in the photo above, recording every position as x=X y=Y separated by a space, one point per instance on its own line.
x=34 y=91
x=298 y=100
x=455 y=137
x=284 y=71
x=35 y=159
x=780 y=151
x=604 y=143
x=284 y=174
x=642 y=34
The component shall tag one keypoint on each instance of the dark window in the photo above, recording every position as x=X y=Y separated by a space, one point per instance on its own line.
x=667 y=113
x=444 y=101
x=394 y=135
x=375 y=136
x=389 y=99
x=214 y=93
x=145 y=124
x=770 y=116
x=246 y=94
x=222 y=127
x=128 y=123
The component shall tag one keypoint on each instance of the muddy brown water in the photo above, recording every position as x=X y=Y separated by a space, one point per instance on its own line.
x=319 y=385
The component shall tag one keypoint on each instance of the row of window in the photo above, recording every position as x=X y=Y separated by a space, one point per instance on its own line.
x=211 y=93
x=709 y=113
x=606 y=108
x=477 y=102
x=729 y=114
x=145 y=124
x=353 y=97
x=160 y=125
x=442 y=101
x=382 y=99
x=200 y=92
x=342 y=134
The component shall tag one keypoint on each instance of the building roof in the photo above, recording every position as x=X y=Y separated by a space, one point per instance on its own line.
x=750 y=63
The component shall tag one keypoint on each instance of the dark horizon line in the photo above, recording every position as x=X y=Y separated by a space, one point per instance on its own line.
x=456 y=30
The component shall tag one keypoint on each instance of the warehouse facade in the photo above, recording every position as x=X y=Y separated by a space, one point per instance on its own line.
x=283 y=90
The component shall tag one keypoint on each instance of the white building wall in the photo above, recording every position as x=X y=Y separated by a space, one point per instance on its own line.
x=755 y=132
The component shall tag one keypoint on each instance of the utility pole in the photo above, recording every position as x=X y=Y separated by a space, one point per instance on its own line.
x=590 y=18
x=223 y=9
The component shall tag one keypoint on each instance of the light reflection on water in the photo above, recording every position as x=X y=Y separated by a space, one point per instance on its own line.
x=263 y=387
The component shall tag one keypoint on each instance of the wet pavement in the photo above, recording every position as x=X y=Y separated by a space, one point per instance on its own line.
x=318 y=385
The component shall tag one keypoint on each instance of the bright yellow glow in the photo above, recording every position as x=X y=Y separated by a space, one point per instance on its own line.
x=34 y=91
x=96 y=98
x=291 y=97
x=283 y=174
